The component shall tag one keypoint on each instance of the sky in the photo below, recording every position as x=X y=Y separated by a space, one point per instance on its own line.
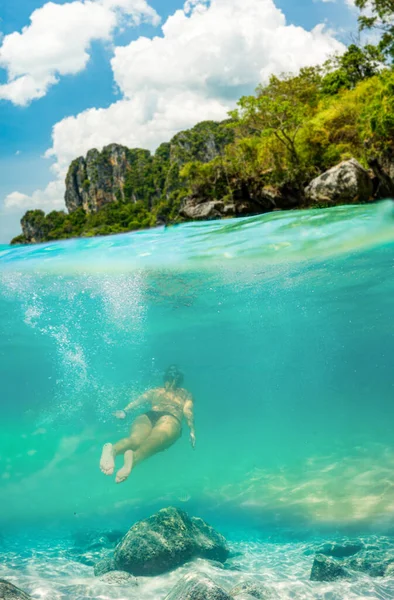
x=79 y=74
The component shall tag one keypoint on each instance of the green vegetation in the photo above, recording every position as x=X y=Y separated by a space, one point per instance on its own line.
x=380 y=16
x=291 y=130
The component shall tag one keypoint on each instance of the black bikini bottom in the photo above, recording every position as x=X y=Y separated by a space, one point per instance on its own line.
x=155 y=415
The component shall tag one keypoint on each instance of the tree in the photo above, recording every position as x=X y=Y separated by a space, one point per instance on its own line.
x=380 y=16
x=280 y=108
x=347 y=70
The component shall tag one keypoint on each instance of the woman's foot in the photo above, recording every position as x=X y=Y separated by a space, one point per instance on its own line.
x=107 y=462
x=125 y=471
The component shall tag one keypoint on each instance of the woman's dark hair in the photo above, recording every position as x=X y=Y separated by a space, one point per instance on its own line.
x=173 y=373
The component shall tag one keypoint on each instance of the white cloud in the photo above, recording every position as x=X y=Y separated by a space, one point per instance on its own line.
x=57 y=43
x=49 y=199
x=209 y=54
x=206 y=58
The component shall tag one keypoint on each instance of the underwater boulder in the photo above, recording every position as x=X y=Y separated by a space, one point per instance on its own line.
x=197 y=587
x=167 y=540
x=105 y=565
x=250 y=589
x=373 y=563
x=8 y=591
x=346 y=183
x=341 y=550
x=92 y=546
x=326 y=568
x=95 y=540
x=119 y=578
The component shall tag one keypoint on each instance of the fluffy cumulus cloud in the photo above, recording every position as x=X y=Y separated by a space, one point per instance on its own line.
x=49 y=199
x=209 y=54
x=57 y=43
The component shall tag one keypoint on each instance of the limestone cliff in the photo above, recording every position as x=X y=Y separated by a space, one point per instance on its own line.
x=98 y=179
x=120 y=174
x=34 y=226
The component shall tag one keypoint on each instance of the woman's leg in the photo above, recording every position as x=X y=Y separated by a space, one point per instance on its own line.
x=140 y=430
x=165 y=433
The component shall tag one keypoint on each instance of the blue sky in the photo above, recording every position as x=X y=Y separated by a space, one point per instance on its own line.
x=151 y=89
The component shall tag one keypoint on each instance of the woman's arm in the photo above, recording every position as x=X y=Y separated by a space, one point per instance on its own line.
x=134 y=404
x=188 y=411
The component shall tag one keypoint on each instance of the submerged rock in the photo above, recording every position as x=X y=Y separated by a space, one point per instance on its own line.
x=167 y=540
x=251 y=589
x=346 y=183
x=8 y=591
x=341 y=550
x=197 y=587
x=327 y=569
x=104 y=566
x=119 y=578
x=374 y=563
x=94 y=540
x=91 y=548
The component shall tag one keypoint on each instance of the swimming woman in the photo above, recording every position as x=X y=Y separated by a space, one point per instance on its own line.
x=154 y=431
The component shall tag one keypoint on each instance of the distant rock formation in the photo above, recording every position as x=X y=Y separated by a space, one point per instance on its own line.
x=33 y=226
x=98 y=179
x=118 y=174
x=119 y=189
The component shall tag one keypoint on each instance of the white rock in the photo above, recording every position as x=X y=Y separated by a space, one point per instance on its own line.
x=346 y=183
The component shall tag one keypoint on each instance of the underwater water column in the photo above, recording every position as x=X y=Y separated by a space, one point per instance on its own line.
x=283 y=327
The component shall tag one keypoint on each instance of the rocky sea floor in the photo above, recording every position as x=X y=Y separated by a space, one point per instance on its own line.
x=55 y=572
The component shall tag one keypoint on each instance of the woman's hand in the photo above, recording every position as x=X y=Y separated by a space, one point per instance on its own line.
x=120 y=414
x=193 y=439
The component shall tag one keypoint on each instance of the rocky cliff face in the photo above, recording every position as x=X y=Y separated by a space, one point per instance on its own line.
x=120 y=174
x=98 y=179
x=34 y=227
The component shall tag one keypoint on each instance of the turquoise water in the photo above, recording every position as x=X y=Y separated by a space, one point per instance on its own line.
x=284 y=327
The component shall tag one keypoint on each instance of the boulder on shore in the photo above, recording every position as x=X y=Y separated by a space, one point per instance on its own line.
x=167 y=540
x=8 y=591
x=200 y=209
x=197 y=587
x=346 y=183
x=327 y=569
